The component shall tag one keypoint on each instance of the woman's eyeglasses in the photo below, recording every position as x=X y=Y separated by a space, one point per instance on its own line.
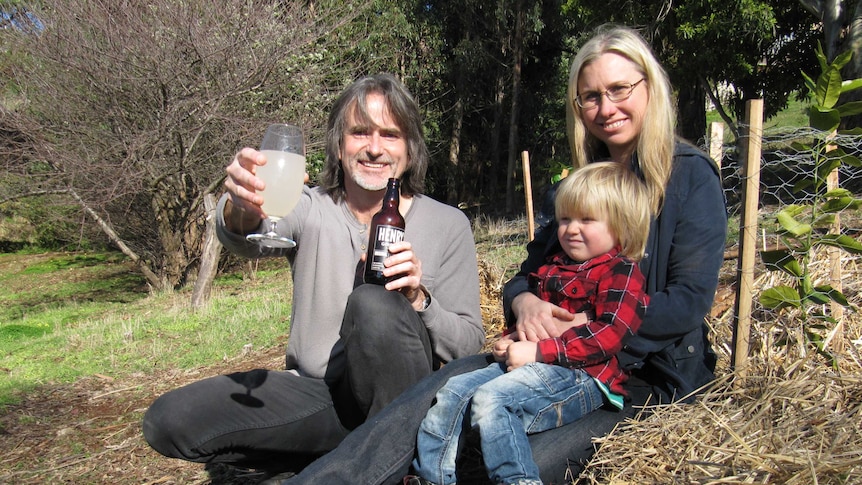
x=615 y=94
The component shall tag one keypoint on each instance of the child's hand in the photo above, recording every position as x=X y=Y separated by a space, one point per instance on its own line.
x=500 y=347
x=520 y=353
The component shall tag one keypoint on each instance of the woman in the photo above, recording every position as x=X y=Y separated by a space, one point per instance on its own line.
x=619 y=107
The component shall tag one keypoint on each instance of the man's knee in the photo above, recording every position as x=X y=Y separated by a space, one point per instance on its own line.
x=374 y=311
x=373 y=299
x=158 y=427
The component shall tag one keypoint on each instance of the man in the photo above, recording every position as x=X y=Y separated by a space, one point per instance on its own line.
x=353 y=347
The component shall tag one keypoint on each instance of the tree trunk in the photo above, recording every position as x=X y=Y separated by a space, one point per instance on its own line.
x=456 y=182
x=692 y=112
x=209 y=257
x=832 y=27
x=496 y=127
x=830 y=14
x=153 y=280
x=513 y=116
x=719 y=108
x=172 y=208
x=854 y=43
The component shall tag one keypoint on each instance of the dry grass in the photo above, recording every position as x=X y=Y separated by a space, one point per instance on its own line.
x=491 y=285
x=789 y=418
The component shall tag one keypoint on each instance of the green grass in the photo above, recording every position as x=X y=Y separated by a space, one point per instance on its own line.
x=795 y=115
x=65 y=316
x=29 y=294
x=501 y=242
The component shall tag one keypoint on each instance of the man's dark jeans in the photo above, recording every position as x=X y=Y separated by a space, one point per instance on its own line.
x=280 y=421
x=380 y=451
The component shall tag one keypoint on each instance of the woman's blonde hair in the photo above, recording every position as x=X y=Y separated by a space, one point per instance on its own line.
x=610 y=192
x=655 y=143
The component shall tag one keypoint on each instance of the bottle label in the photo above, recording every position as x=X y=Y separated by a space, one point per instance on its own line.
x=385 y=236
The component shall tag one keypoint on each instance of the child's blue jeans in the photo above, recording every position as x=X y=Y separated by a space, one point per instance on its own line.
x=506 y=407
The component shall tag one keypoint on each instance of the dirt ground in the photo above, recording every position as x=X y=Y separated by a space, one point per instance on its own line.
x=89 y=432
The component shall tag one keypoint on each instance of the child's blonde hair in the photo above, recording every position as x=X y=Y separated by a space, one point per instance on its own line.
x=610 y=192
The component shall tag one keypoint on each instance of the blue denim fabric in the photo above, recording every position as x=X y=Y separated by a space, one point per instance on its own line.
x=505 y=407
x=380 y=451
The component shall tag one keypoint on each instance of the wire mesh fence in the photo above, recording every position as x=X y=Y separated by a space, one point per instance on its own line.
x=783 y=165
x=786 y=162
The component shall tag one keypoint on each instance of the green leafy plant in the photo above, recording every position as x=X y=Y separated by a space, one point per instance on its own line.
x=803 y=228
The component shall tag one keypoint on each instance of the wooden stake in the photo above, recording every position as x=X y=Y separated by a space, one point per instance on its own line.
x=528 y=193
x=748 y=236
x=835 y=276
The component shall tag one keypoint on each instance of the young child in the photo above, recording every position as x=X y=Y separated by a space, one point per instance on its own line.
x=604 y=214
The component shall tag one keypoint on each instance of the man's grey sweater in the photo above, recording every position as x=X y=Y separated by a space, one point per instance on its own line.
x=326 y=266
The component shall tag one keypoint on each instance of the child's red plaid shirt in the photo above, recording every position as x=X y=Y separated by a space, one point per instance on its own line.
x=610 y=290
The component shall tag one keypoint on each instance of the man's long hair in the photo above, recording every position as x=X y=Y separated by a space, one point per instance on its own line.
x=404 y=111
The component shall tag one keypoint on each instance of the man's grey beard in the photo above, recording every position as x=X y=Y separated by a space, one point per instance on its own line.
x=360 y=181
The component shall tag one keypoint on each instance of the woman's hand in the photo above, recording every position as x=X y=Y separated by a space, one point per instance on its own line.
x=538 y=319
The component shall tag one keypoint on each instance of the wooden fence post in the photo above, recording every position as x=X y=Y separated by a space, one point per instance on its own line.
x=716 y=142
x=747 y=235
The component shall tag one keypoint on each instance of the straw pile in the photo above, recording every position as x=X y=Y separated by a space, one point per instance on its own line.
x=491 y=281
x=794 y=416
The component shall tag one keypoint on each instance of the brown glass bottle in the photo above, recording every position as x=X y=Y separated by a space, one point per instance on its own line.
x=387 y=227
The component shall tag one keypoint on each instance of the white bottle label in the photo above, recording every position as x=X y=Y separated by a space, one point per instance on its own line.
x=385 y=236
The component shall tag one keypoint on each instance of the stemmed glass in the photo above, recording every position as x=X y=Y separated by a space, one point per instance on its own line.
x=283 y=174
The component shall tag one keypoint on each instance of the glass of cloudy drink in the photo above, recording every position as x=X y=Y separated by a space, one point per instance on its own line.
x=283 y=174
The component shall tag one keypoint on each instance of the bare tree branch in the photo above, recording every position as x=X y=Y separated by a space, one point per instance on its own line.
x=37 y=193
x=151 y=277
x=137 y=107
x=716 y=102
